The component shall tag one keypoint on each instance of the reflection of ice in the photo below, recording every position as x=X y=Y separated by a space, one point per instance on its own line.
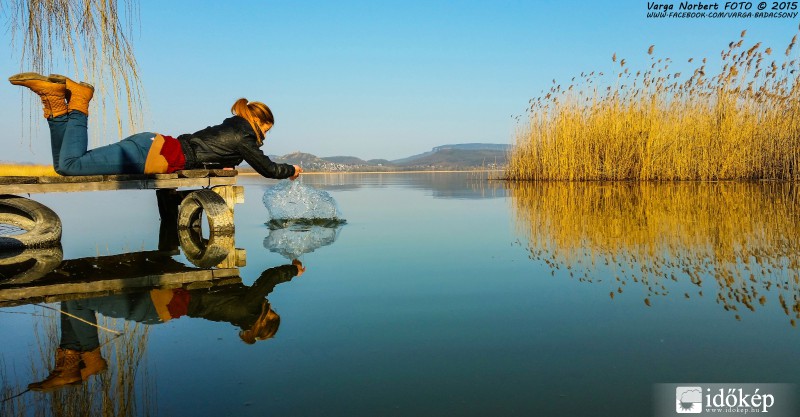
x=294 y=200
x=296 y=240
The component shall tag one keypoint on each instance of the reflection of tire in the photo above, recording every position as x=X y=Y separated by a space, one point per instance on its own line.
x=205 y=253
x=42 y=226
x=220 y=217
x=29 y=265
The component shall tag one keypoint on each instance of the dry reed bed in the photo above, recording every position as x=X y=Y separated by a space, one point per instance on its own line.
x=740 y=240
x=12 y=170
x=657 y=124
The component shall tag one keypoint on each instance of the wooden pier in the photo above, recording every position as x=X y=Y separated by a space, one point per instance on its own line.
x=31 y=266
x=200 y=178
x=100 y=276
x=212 y=191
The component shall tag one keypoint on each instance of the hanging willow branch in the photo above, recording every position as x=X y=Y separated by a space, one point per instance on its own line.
x=88 y=39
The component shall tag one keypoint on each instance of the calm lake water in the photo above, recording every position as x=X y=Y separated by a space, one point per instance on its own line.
x=446 y=294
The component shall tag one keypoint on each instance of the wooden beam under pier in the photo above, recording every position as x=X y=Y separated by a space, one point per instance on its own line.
x=180 y=179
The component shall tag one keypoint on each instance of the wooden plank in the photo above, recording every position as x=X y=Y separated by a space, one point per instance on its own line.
x=126 y=177
x=191 y=182
x=223 y=172
x=18 y=180
x=225 y=273
x=170 y=176
x=156 y=280
x=44 y=297
x=71 y=179
x=186 y=173
x=142 y=184
x=193 y=173
x=113 y=273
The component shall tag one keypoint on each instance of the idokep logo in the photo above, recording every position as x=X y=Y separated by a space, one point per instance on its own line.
x=727 y=399
x=689 y=400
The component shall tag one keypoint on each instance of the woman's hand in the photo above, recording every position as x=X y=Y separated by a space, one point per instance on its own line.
x=297 y=172
x=300 y=267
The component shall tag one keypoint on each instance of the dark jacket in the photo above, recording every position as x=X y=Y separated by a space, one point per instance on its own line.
x=238 y=304
x=227 y=145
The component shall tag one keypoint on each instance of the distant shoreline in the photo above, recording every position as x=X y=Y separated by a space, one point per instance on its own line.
x=383 y=172
x=47 y=170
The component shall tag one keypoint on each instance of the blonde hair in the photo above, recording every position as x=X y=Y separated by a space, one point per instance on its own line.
x=254 y=112
x=264 y=328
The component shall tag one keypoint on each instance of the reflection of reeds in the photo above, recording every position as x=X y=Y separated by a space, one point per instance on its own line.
x=125 y=389
x=657 y=124
x=10 y=405
x=741 y=238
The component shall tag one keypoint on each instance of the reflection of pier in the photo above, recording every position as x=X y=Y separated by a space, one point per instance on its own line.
x=100 y=276
x=42 y=228
x=39 y=274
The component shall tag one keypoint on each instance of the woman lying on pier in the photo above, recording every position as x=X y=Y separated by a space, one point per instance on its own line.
x=236 y=139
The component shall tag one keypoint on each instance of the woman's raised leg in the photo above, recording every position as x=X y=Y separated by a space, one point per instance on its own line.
x=58 y=126
x=127 y=156
x=52 y=90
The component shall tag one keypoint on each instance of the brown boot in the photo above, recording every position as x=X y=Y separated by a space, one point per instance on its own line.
x=66 y=372
x=52 y=92
x=80 y=94
x=93 y=363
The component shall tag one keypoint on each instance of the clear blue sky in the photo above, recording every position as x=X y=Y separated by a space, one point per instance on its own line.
x=381 y=79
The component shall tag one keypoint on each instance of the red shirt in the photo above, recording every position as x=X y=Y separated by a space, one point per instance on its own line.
x=173 y=153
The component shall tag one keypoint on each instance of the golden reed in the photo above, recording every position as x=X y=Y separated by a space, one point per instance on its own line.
x=23 y=170
x=736 y=241
x=126 y=389
x=655 y=124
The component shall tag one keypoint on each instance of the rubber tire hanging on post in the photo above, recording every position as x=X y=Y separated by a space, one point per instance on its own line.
x=42 y=226
x=205 y=253
x=220 y=217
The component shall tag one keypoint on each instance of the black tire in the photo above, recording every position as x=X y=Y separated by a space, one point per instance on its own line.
x=29 y=265
x=42 y=226
x=204 y=253
x=220 y=217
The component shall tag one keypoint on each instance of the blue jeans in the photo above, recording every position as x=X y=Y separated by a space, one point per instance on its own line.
x=79 y=325
x=69 y=141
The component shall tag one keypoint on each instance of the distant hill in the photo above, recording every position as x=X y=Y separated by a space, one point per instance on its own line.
x=452 y=158
x=349 y=160
x=491 y=150
x=314 y=163
x=445 y=157
x=300 y=158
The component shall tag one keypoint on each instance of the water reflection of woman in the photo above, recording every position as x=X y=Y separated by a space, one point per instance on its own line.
x=240 y=305
x=78 y=355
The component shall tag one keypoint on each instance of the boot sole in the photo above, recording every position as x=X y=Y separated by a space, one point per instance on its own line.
x=85 y=375
x=57 y=78
x=53 y=388
x=67 y=80
x=35 y=76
